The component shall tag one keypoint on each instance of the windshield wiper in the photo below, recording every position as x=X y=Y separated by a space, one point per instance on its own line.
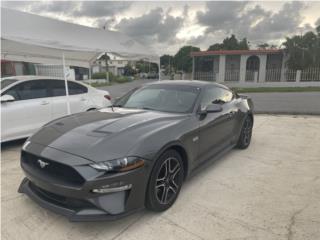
x=147 y=108
x=114 y=105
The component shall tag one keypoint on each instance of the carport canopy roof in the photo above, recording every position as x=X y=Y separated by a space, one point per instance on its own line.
x=33 y=38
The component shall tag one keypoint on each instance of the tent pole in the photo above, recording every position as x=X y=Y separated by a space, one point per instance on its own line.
x=159 y=68
x=66 y=84
x=107 y=67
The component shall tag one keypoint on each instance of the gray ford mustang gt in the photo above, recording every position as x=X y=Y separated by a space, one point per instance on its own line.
x=111 y=162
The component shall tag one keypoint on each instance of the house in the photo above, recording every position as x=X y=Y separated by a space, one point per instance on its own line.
x=115 y=66
x=18 y=68
x=13 y=68
x=247 y=66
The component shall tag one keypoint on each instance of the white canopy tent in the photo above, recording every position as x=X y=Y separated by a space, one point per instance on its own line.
x=32 y=38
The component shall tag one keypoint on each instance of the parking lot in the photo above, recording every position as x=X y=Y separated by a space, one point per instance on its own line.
x=269 y=191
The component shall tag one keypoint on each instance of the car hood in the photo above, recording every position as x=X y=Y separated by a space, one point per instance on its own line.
x=105 y=134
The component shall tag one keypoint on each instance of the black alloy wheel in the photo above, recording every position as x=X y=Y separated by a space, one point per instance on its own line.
x=165 y=181
x=246 y=133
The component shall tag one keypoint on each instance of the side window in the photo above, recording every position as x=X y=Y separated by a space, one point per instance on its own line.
x=75 y=88
x=13 y=92
x=57 y=88
x=210 y=95
x=226 y=95
x=29 y=90
x=215 y=95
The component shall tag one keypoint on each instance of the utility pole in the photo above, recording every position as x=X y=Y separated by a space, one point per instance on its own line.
x=107 y=69
x=106 y=59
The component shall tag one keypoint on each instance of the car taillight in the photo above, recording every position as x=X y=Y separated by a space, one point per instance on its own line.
x=107 y=97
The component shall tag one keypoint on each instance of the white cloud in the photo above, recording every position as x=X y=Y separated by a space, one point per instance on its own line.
x=166 y=26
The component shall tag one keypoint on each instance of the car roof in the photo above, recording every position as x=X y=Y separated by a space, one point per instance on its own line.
x=195 y=83
x=31 y=77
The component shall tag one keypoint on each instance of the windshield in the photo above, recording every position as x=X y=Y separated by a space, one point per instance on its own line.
x=7 y=82
x=166 y=98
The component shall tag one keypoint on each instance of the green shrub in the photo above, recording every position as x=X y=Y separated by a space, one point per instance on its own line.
x=99 y=75
x=102 y=75
x=121 y=79
x=112 y=78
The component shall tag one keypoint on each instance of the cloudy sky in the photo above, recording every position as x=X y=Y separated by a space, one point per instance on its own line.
x=167 y=26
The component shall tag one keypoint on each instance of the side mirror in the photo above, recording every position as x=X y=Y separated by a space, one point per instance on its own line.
x=212 y=108
x=7 y=98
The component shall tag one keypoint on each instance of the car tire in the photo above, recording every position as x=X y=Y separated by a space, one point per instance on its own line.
x=246 y=133
x=165 y=181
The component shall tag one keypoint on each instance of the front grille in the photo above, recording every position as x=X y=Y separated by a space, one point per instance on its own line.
x=70 y=203
x=54 y=169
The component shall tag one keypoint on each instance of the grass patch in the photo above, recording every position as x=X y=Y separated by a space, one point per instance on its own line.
x=276 y=89
x=97 y=84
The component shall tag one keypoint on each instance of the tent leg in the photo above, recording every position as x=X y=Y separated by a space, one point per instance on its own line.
x=66 y=84
x=159 y=69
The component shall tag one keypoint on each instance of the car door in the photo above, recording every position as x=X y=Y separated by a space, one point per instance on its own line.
x=215 y=129
x=30 y=110
x=77 y=97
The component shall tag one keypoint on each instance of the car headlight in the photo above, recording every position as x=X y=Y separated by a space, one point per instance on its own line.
x=119 y=165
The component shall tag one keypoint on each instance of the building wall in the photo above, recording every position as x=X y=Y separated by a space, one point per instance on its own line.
x=269 y=67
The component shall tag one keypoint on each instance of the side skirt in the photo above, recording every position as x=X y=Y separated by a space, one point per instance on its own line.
x=211 y=160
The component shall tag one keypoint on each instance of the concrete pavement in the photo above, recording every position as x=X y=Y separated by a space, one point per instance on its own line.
x=269 y=191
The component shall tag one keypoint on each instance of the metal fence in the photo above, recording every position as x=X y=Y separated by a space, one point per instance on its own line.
x=251 y=76
x=232 y=75
x=54 y=71
x=272 y=75
x=206 y=76
x=290 y=75
x=49 y=70
x=310 y=74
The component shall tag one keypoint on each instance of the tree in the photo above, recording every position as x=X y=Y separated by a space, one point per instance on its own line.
x=303 y=51
x=263 y=46
x=166 y=61
x=144 y=67
x=230 y=43
x=128 y=70
x=215 y=47
x=183 y=59
x=266 y=46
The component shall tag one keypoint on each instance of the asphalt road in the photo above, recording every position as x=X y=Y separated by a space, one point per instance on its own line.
x=278 y=103
x=287 y=102
x=269 y=191
x=120 y=89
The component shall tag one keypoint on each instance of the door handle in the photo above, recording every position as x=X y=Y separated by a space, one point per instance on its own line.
x=83 y=99
x=44 y=103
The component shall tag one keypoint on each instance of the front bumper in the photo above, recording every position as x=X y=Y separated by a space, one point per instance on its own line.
x=76 y=201
x=73 y=214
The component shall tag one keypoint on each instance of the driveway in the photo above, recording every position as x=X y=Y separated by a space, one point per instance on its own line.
x=279 y=103
x=269 y=191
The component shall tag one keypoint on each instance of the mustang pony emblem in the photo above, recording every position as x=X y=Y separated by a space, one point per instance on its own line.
x=42 y=163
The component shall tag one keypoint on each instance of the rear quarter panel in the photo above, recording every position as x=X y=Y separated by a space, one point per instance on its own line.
x=97 y=99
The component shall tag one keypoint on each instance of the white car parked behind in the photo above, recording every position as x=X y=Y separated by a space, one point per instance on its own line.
x=29 y=102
